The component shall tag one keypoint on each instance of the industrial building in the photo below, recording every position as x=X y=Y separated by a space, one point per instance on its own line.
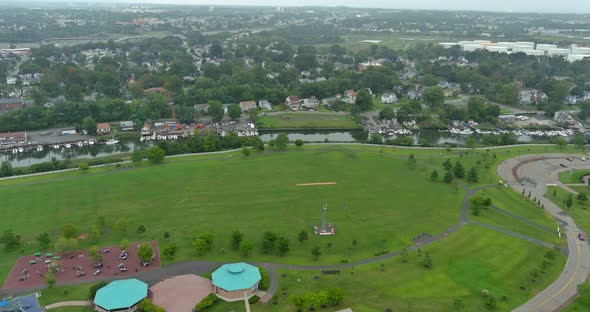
x=572 y=54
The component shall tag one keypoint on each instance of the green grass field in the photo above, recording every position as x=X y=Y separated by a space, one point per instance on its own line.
x=464 y=264
x=307 y=120
x=575 y=176
x=387 y=203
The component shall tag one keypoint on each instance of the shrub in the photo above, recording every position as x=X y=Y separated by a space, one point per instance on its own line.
x=254 y=299
x=83 y=166
x=94 y=288
x=264 y=280
x=206 y=303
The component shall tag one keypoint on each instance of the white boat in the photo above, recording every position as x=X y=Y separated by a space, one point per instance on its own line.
x=39 y=148
x=14 y=150
x=55 y=146
x=91 y=142
x=112 y=142
x=466 y=132
x=68 y=145
x=80 y=144
x=20 y=149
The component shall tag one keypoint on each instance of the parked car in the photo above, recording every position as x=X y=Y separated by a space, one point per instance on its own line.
x=98 y=265
x=563 y=165
x=581 y=236
x=97 y=272
x=145 y=264
x=80 y=274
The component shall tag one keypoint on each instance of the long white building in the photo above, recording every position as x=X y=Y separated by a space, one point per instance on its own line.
x=574 y=53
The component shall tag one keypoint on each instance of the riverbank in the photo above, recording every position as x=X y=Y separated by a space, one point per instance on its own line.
x=297 y=121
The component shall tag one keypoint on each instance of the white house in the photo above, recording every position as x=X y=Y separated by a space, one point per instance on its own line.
x=389 y=98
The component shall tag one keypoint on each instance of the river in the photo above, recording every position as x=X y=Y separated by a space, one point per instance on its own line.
x=433 y=137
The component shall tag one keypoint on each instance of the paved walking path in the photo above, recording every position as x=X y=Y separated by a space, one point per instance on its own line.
x=541 y=170
x=68 y=304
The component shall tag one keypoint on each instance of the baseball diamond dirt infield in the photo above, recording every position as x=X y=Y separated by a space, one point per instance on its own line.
x=26 y=274
x=316 y=184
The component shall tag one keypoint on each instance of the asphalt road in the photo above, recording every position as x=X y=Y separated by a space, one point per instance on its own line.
x=537 y=171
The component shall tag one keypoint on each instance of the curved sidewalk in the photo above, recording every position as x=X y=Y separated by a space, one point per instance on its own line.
x=68 y=304
x=540 y=170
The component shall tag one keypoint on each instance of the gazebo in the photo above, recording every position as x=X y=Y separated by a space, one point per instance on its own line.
x=121 y=295
x=236 y=281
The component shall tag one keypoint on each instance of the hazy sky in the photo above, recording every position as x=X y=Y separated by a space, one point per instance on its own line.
x=557 y=6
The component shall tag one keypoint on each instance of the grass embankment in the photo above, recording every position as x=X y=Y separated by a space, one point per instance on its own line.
x=573 y=177
x=579 y=211
x=307 y=121
x=464 y=264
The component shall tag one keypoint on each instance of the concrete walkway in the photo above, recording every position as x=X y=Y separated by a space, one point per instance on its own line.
x=539 y=171
x=68 y=304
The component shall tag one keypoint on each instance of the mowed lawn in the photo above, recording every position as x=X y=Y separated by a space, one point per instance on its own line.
x=307 y=120
x=575 y=176
x=464 y=264
x=378 y=202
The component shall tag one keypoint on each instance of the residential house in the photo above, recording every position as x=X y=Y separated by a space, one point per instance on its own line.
x=350 y=96
x=11 y=104
x=292 y=102
x=329 y=101
x=415 y=94
x=572 y=100
x=127 y=125
x=11 y=80
x=564 y=118
x=389 y=98
x=103 y=128
x=248 y=105
x=306 y=80
x=13 y=138
x=311 y=103
x=368 y=64
x=265 y=104
x=531 y=97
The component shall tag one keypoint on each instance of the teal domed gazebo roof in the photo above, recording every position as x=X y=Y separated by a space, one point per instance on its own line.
x=236 y=276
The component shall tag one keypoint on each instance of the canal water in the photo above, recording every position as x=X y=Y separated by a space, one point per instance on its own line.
x=433 y=137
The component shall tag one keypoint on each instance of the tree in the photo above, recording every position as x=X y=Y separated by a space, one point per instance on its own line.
x=569 y=201
x=434 y=176
x=559 y=141
x=155 y=155
x=335 y=296
x=448 y=165
x=200 y=246
x=137 y=157
x=6 y=169
x=376 y=138
x=69 y=231
x=427 y=261
x=83 y=166
x=458 y=170
x=579 y=139
x=282 y=141
x=236 y=239
x=215 y=111
x=141 y=229
x=94 y=233
x=234 y=111
x=434 y=96
x=387 y=113
x=303 y=236
x=124 y=244
x=10 y=240
x=216 y=50
x=282 y=245
x=268 y=242
x=479 y=202
x=246 y=248
x=64 y=244
x=582 y=198
x=74 y=93
x=89 y=124
x=43 y=240
x=299 y=142
x=412 y=162
x=364 y=101
x=169 y=251
x=246 y=151
x=145 y=253
x=94 y=253
x=50 y=279
x=448 y=178
x=472 y=175
x=316 y=253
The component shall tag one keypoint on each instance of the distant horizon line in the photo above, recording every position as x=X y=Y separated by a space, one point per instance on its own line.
x=154 y=2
